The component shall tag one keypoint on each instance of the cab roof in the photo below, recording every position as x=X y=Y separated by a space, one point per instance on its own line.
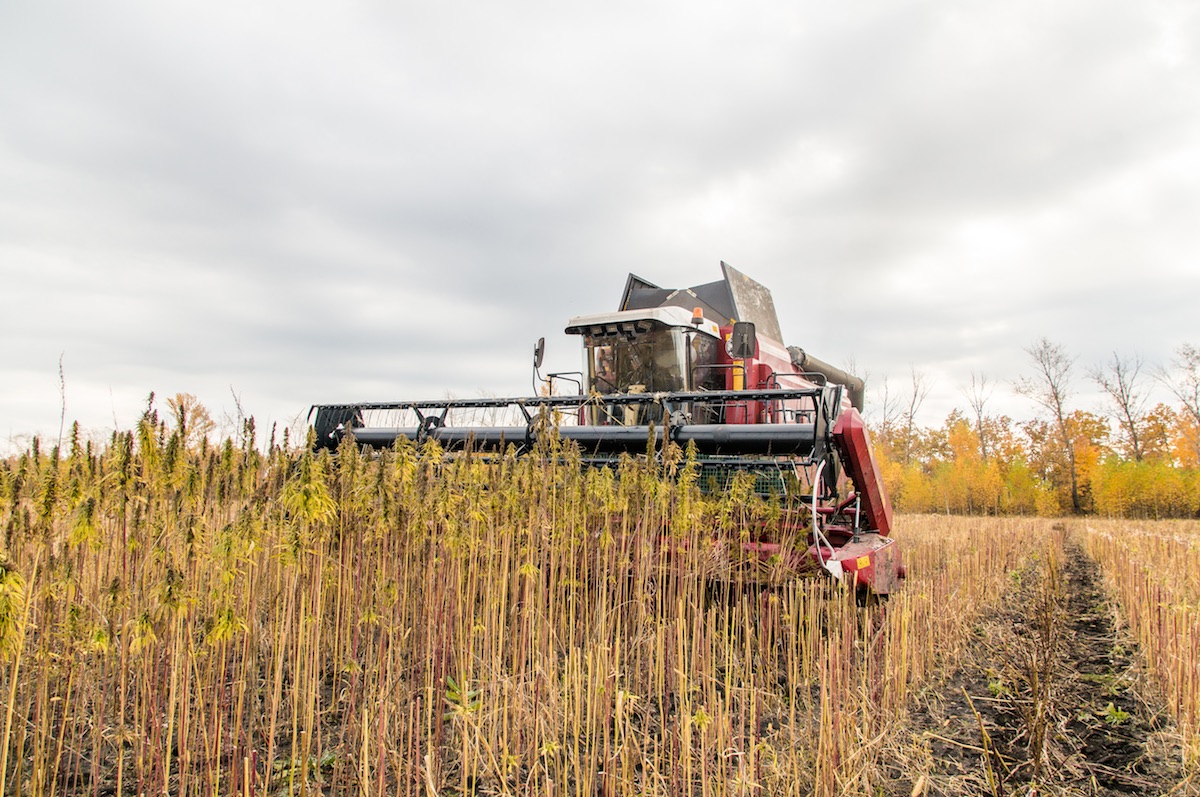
x=737 y=297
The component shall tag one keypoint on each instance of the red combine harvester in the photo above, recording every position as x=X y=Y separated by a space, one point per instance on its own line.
x=703 y=367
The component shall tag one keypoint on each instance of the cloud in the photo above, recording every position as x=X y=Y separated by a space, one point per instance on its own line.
x=309 y=200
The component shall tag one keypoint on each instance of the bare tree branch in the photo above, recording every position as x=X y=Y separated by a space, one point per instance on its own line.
x=888 y=413
x=1050 y=388
x=1183 y=380
x=980 y=392
x=920 y=392
x=1118 y=378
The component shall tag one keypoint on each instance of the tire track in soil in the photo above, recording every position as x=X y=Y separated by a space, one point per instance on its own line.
x=1052 y=646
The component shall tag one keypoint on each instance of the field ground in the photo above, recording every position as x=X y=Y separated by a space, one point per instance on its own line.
x=1051 y=691
x=224 y=622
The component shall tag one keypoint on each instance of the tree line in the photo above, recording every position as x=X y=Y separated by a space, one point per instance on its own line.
x=1127 y=458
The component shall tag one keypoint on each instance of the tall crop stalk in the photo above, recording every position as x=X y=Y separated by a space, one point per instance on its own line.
x=297 y=623
x=1154 y=570
x=15 y=604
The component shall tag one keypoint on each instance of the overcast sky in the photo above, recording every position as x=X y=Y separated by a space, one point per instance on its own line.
x=303 y=202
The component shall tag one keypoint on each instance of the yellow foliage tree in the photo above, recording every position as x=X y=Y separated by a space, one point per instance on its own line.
x=190 y=418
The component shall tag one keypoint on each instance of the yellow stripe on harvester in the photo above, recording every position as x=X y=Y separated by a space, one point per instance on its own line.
x=862 y=563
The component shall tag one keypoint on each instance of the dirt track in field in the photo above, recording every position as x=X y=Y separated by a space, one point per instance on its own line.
x=1051 y=700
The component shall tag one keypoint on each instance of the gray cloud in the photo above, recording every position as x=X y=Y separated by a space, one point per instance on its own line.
x=319 y=201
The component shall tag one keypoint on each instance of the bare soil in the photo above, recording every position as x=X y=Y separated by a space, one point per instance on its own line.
x=1052 y=700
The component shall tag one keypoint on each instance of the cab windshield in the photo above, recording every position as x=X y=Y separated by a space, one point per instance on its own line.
x=654 y=361
x=648 y=362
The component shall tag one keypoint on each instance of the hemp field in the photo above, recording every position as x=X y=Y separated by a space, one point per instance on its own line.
x=221 y=620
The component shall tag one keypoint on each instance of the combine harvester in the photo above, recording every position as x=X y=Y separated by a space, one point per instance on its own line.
x=702 y=366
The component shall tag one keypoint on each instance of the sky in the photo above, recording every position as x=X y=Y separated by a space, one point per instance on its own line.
x=270 y=205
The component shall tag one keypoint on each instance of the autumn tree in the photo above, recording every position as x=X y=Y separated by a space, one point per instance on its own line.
x=1069 y=468
x=1183 y=380
x=1050 y=388
x=1160 y=428
x=190 y=418
x=969 y=482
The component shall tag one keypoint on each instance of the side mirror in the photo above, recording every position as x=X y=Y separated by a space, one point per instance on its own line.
x=742 y=344
x=538 y=352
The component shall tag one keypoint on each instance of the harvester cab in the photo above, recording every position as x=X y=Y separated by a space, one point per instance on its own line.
x=703 y=368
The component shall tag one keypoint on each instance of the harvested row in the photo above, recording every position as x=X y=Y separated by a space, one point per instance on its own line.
x=1049 y=698
x=226 y=621
x=1154 y=569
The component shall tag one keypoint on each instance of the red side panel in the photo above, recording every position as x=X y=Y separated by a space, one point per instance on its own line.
x=852 y=439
